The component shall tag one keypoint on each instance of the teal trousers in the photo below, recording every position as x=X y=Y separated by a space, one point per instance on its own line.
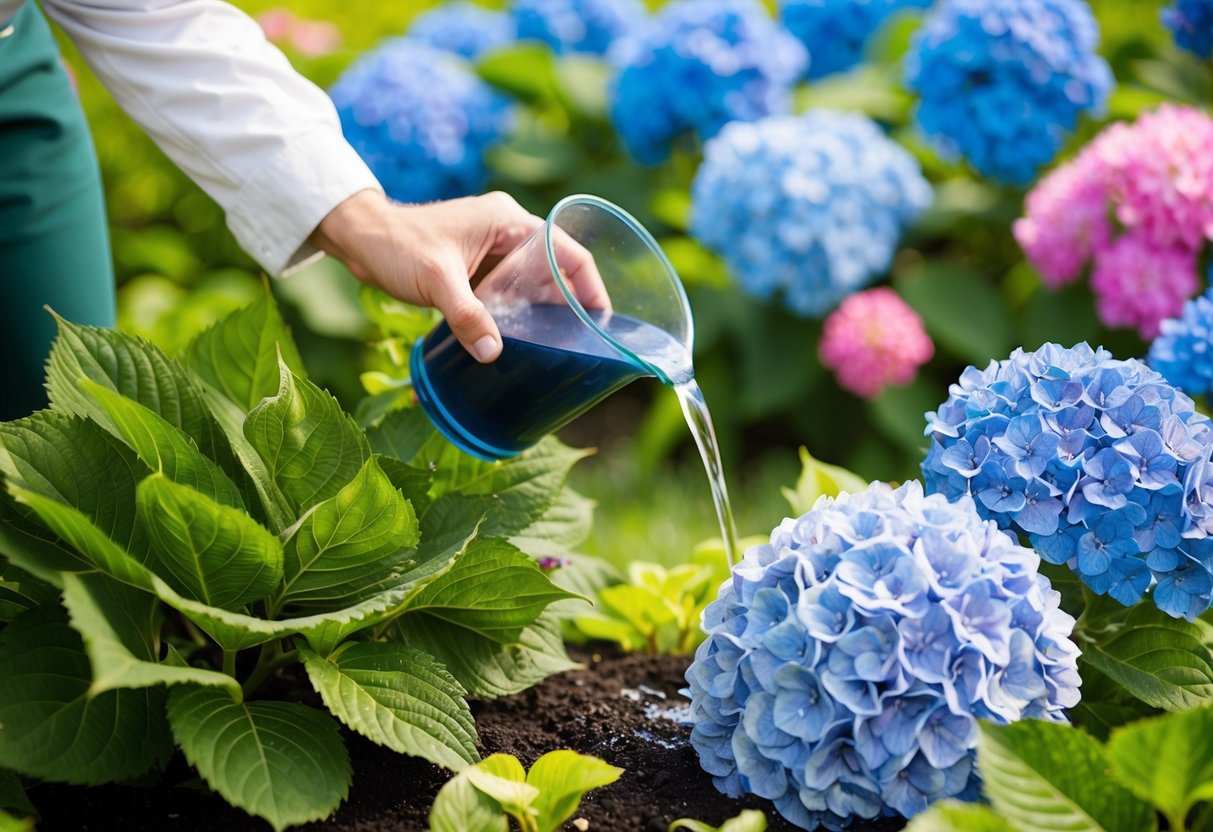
x=54 y=245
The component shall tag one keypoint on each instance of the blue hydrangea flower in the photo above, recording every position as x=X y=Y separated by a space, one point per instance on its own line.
x=1002 y=82
x=464 y=28
x=837 y=31
x=1191 y=24
x=697 y=65
x=421 y=120
x=810 y=206
x=586 y=26
x=848 y=660
x=1100 y=463
x=1183 y=350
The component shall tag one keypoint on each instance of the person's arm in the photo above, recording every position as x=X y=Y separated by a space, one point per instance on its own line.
x=226 y=107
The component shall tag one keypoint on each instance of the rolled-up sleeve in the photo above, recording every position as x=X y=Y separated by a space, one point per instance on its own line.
x=227 y=107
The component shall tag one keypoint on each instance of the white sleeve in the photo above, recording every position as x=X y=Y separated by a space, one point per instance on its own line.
x=227 y=107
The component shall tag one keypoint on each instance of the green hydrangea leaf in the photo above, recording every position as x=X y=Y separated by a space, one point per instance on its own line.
x=311 y=447
x=955 y=816
x=30 y=545
x=562 y=778
x=820 y=479
x=164 y=448
x=414 y=483
x=562 y=527
x=213 y=553
x=502 y=778
x=404 y=434
x=119 y=627
x=280 y=761
x=12 y=793
x=238 y=356
x=1167 y=760
x=21 y=591
x=52 y=727
x=1050 y=776
x=399 y=697
x=492 y=591
x=460 y=806
x=1165 y=662
x=353 y=545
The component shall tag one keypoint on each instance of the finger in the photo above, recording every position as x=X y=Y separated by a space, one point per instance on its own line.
x=580 y=271
x=467 y=317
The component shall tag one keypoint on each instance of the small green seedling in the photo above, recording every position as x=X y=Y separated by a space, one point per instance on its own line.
x=484 y=796
x=750 y=820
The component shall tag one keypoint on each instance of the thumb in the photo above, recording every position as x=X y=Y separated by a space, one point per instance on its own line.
x=467 y=317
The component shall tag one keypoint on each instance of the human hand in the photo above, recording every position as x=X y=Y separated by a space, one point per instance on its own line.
x=429 y=254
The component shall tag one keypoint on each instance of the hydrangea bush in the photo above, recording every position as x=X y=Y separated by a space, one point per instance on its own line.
x=1003 y=82
x=837 y=31
x=849 y=659
x=1099 y=462
x=809 y=206
x=421 y=119
x=587 y=26
x=1191 y=24
x=874 y=339
x=1183 y=351
x=1138 y=203
x=697 y=65
x=463 y=27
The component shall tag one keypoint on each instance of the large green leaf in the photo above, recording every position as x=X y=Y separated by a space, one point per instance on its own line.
x=52 y=727
x=486 y=667
x=1167 y=761
x=399 y=697
x=76 y=463
x=404 y=435
x=492 y=591
x=138 y=370
x=563 y=777
x=564 y=526
x=1165 y=662
x=351 y=546
x=954 y=816
x=961 y=310
x=281 y=761
x=238 y=356
x=118 y=625
x=414 y=483
x=1047 y=776
x=310 y=445
x=213 y=553
x=21 y=591
x=1105 y=705
x=29 y=544
x=12 y=794
x=164 y=448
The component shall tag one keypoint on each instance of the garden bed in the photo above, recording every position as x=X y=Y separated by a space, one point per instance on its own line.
x=606 y=710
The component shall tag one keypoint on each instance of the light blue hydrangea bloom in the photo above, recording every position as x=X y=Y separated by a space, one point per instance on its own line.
x=697 y=65
x=837 y=31
x=465 y=28
x=586 y=26
x=421 y=119
x=1002 y=82
x=1101 y=463
x=1183 y=350
x=848 y=660
x=1191 y=24
x=808 y=206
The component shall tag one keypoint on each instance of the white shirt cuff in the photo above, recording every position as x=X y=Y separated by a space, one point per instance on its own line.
x=283 y=202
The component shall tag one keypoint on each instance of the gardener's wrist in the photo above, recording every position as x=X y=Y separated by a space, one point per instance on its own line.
x=347 y=230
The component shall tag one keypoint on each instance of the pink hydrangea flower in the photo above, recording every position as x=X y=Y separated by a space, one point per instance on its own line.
x=874 y=339
x=312 y=38
x=1067 y=221
x=1139 y=284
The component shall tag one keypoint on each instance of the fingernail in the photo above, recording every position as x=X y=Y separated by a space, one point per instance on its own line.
x=485 y=348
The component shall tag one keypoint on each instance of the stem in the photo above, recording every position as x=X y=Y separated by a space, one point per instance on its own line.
x=194 y=633
x=1175 y=823
x=229 y=662
x=271 y=660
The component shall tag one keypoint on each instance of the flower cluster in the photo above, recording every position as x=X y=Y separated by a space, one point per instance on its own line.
x=697 y=65
x=1191 y=23
x=1003 y=82
x=587 y=26
x=836 y=31
x=848 y=660
x=1154 y=179
x=464 y=28
x=874 y=339
x=811 y=206
x=1183 y=352
x=310 y=38
x=421 y=120
x=1101 y=463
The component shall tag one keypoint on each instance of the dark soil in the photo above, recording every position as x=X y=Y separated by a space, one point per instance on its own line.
x=611 y=709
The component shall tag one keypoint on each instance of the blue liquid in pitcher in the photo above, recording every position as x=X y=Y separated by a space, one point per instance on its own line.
x=552 y=368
